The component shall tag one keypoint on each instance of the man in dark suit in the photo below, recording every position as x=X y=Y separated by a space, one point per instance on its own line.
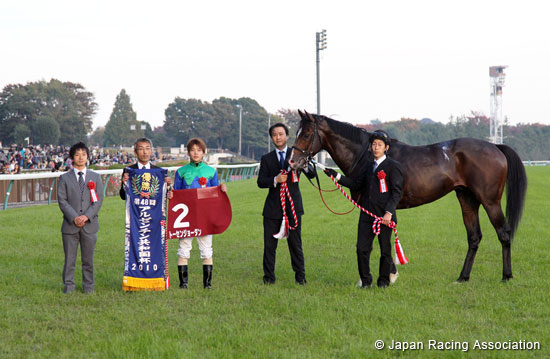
x=80 y=207
x=271 y=176
x=143 y=148
x=381 y=188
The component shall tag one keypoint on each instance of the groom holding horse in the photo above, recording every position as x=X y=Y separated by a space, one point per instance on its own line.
x=478 y=172
x=381 y=187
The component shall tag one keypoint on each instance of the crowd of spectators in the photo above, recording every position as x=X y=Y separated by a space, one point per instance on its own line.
x=18 y=159
x=15 y=159
x=106 y=157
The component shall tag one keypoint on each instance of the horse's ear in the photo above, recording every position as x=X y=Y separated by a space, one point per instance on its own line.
x=310 y=117
x=301 y=114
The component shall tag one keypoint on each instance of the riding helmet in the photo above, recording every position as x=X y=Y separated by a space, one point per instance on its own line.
x=380 y=135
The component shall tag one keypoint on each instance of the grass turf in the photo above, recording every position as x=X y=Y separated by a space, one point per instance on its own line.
x=242 y=318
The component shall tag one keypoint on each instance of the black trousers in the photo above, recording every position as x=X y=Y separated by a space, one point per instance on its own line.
x=271 y=227
x=365 y=237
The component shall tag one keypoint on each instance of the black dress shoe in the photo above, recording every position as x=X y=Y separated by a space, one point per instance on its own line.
x=268 y=282
x=302 y=282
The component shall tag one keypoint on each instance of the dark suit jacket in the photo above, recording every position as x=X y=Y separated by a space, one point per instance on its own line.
x=72 y=204
x=369 y=185
x=122 y=192
x=269 y=169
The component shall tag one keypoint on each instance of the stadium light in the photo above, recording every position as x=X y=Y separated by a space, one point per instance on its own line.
x=320 y=44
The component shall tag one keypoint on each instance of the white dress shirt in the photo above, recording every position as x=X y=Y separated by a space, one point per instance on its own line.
x=76 y=173
x=277 y=151
x=378 y=162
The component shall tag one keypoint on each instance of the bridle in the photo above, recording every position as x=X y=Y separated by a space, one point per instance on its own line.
x=309 y=160
x=309 y=154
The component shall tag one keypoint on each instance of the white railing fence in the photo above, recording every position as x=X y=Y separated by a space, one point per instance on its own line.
x=23 y=189
x=536 y=163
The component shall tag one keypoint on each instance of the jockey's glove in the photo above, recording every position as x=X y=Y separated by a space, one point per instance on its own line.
x=330 y=172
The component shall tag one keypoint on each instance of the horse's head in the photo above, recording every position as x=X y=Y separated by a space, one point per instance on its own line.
x=308 y=141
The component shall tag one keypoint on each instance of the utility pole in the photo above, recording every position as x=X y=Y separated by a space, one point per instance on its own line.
x=240 y=125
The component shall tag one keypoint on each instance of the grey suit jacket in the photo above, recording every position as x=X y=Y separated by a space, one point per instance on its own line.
x=73 y=204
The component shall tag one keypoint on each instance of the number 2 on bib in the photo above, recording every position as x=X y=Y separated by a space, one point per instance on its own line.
x=178 y=222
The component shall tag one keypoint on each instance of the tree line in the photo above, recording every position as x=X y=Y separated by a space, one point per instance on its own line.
x=217 y=123
x=61 y=113
x=530 y=141
x=51 y=112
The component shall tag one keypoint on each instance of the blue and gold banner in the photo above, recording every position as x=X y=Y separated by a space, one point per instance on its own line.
x=145 y=263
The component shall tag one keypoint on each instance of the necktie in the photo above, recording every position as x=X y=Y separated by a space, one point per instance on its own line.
x=282 y=159
x=81 y=181
x=374 y=166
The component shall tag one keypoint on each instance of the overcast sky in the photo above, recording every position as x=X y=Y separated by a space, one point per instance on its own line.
x=385 y=59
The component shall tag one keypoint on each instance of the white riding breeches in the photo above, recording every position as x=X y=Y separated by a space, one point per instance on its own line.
x=205 y=247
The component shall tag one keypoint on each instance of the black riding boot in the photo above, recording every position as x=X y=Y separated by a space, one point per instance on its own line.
x=207 y=275
x=183 y=274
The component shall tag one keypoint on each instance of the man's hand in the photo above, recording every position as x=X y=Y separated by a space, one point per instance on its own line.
x=168 y=181
x=125 y=178
x=281 y=178
x=80 y=221
x=330 y=172
x=386 y=219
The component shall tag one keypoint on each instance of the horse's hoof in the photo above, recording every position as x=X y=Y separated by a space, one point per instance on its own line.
x=462 y=280
x=507 y=278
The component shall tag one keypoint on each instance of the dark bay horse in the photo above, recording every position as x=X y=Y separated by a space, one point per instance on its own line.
x=476 y=170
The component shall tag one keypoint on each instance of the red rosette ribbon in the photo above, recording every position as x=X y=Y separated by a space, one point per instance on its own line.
x=381 y=176
x=203 y=181
x=93 y=194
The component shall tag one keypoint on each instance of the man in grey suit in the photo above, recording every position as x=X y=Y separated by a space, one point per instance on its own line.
x=80 y=207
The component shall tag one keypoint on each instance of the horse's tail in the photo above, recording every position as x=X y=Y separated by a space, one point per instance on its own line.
x=516 y=188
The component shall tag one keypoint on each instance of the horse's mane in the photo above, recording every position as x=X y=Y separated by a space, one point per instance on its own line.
x=349 y=130
x=344 y=129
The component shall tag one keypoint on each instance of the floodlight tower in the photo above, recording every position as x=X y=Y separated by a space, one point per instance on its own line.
x=496 y=74
x=320 y=44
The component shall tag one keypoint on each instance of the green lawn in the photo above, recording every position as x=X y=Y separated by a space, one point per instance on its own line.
x=242 y=318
